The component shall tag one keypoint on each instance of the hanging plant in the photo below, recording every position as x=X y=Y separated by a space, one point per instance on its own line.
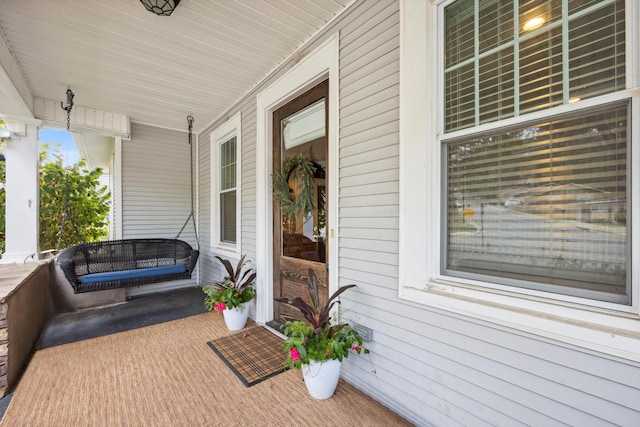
x=301 y=169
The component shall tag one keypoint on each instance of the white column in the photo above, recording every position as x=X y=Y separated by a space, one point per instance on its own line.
x=22 y=200
x=115 y=176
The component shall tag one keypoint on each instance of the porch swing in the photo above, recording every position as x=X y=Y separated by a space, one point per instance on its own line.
x=97 y=266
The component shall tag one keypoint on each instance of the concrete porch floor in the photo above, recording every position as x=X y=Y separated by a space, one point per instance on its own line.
x=136 y=312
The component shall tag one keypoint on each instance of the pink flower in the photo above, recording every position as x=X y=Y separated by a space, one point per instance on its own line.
x=219 y=306
x=356 y=347
x=295 y=356
x=328 y=351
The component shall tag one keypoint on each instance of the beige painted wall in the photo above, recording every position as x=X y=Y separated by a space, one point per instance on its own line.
x=29 y=306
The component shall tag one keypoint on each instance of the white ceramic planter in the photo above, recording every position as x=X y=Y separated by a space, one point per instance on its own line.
x=321 y=378
x=236 y=318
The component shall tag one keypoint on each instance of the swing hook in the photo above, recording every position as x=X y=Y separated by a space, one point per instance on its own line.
x=68 y=106
x=190 y=121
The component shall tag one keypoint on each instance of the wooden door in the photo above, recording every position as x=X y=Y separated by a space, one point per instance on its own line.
x=299 y=242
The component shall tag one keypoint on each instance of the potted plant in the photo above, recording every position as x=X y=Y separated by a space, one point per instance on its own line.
x=317 y=346
x=231 y=294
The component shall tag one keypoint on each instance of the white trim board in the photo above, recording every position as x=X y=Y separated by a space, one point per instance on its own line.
x=227 y=130
x=311 y=70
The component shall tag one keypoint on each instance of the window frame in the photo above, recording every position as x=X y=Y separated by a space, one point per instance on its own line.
x=497 y=127
x=222 y=134
x=590 y=324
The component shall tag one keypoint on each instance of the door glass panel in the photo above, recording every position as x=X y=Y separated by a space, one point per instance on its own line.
x=304 y=126
x=304 y=132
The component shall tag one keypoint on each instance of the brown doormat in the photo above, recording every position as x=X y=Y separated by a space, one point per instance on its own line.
x=253 y=354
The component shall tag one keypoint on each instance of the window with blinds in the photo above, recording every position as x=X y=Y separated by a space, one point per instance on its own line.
x=541 y=204
x=227 y=184
x=498 y=67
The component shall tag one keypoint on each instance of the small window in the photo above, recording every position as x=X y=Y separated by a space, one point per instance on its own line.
x=228 y=191
x=225 y=177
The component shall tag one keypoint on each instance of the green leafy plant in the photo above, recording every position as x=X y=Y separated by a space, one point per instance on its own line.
x=3 y=193
x=234 y=290
x=74 y=204
x=316 y=338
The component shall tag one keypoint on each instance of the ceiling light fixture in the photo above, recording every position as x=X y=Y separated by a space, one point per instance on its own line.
x=160 y=7
x=533 y=23
x=68 y=106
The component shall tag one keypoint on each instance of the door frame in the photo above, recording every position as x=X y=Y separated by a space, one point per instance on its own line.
x=315 y=67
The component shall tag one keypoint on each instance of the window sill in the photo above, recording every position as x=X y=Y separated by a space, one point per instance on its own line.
x=226 y=251
x=612 y=333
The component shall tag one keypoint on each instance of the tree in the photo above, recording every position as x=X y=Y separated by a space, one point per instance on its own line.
x=74 y=205
x=3 y=194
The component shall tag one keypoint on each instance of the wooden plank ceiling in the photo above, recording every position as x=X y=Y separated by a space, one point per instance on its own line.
x=118 y=57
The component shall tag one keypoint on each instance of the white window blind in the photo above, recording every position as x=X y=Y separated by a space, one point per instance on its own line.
x=228 y=159
x=497 y=67
x=543 y=204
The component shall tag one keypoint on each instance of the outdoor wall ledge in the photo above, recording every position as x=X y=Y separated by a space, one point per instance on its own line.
x=25 y=307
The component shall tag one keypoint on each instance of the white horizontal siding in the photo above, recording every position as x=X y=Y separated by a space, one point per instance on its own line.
x=356 y=106
x=249 y=163
x=207 y=265
x=155 y=183
x=156 y=190
x=368 y=184
x=372 y=178
x=366 y=135
x=210 y=268
x=369 y=156
x=477 y=370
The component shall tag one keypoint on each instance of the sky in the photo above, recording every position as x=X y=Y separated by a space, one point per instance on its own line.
x=62 y=141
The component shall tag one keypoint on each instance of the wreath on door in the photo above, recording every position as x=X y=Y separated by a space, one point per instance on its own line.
x=301 y=169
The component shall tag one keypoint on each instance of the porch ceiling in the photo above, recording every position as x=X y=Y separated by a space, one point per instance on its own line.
x=120 y=58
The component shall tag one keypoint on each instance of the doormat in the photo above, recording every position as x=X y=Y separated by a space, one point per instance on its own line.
x=253 y=354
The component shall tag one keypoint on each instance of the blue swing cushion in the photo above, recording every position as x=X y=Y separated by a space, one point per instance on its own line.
x=132 y=274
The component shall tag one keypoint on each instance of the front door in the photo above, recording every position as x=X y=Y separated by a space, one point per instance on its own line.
x=299 y=238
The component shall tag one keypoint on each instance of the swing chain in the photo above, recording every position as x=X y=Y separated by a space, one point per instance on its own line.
x=191 y=215
x=190 y=122
x=65 y=213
